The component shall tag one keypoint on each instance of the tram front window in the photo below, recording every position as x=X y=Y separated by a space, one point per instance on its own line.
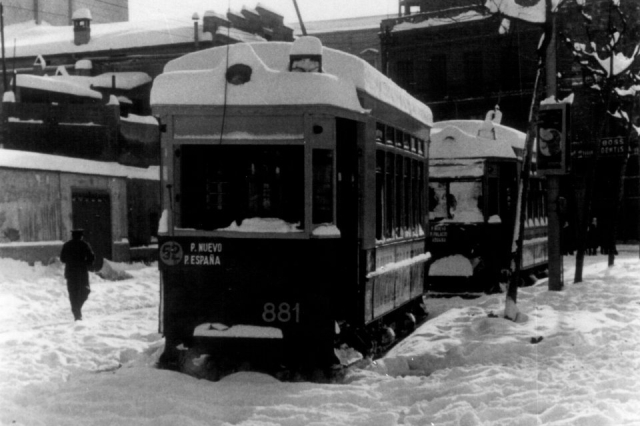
x=221 y=186
x=457 y=201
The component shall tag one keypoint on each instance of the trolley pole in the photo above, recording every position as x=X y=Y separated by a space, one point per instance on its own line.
x=553 y=180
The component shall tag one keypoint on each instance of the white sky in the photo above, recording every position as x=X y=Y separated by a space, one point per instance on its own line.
x=311 y=10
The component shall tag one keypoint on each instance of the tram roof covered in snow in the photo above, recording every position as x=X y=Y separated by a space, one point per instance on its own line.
x=194 y=79
x=472 y=128
x=452 y=142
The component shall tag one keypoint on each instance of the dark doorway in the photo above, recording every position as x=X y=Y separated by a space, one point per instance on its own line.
x=91 y=211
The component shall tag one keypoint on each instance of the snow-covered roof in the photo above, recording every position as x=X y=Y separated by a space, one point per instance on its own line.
x=467 y=16
x=124 y=80
x=14 y=159
x=338 y=25
x=197 y=79
x=56 y=84
x=44 y=39
x=216 y=15
x=453 y=142
x=82 y=85
x=83 y=13
x=514 y=137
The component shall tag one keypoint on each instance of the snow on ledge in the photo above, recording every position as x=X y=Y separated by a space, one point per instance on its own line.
x=451 y=266
x=397 y=265
x=237 y=331
x=326 y=230
x=263 y=224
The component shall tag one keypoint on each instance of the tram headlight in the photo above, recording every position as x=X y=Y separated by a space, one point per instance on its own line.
x=238 y=74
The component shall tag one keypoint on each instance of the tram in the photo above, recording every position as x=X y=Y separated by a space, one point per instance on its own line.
x=474 y=167
x=294 y=207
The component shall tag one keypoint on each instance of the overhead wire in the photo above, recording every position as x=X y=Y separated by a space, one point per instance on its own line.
x=226 y=83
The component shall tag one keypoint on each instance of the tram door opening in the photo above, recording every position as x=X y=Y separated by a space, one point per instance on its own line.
x=347 y=197
x=91 y=211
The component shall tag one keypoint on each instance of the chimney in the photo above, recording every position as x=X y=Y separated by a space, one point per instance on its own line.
x=81 y=26
x=212 y=21
x=83 y=67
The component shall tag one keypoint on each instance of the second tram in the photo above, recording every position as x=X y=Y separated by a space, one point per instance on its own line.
x=474 y=167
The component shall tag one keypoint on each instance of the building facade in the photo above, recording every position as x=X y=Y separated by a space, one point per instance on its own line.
x=60 y=12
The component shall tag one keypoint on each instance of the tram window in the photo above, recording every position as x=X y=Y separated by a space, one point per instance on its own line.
x=390 y=135
x=406 y=141
x=408 y=195
x=415 y=195
x=389 y=196
x=459 y=201
x=399 y=139
x=419 y=195
x=493 y=208
x=380 y=132
x=322 y=189
x=380 y=194
x=225 y=184
x=438 y=201
x=400 y=223
x=464 y=204
x=420 y=146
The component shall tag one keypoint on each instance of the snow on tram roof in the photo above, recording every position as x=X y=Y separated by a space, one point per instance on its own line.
x=504 y=133
x=188 y=80
x=449 y=141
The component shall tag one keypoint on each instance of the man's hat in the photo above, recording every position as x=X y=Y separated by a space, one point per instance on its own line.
x=77 y=231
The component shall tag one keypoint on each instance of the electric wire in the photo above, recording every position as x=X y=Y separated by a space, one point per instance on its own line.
x=226 y=83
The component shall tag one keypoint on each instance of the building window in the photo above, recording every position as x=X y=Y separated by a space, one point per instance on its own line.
x=473 y=72
x=437 y=75
x=404 y=74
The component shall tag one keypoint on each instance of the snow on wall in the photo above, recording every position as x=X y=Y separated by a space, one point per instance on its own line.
x=14 y=159
x=273 y=60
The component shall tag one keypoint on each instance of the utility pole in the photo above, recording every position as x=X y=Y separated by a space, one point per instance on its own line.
x=302 y=28
x=553 y=180
x=4 y=58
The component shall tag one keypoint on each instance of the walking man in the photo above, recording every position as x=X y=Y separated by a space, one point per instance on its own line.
x=77 y=256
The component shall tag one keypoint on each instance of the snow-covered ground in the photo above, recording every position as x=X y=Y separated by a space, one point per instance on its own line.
x=573 y=359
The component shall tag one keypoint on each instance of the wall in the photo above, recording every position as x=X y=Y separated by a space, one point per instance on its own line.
x=58 y=12
x=36 y=212
x=29 y=206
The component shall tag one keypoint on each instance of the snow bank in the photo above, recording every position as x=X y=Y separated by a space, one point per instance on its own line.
x=573 y=359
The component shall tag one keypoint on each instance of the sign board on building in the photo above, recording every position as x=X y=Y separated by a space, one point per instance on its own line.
x=613 y=147
x=552 y=147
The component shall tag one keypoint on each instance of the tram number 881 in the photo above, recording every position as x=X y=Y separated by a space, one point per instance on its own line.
x=283 y=312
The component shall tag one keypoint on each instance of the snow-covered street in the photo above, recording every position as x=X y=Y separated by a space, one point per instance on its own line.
x=572 y=359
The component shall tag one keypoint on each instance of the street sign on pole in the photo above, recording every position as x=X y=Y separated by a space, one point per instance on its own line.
x=552 y=149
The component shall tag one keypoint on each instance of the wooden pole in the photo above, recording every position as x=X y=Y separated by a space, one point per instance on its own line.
x=511 y=310
x=304 y=30
x=553 y=181
x=4 y=59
